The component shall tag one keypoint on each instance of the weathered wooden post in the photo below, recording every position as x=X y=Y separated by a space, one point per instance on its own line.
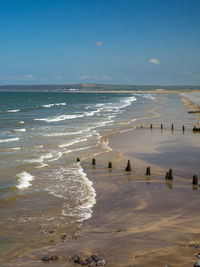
x=167 y=175
x=93 y=162
x=161 y=127
x=195 y=180
x=183 y=128
x=110 y=165
x=148 y=171
x=170 y=174
x=128 y=167
x=151 y=126
x=78 y=159
x=172 y=127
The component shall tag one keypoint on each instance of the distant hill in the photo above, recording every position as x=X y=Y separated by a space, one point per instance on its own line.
x=91 y=87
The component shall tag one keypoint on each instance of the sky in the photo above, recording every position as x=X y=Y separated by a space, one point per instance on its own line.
x=100 y=41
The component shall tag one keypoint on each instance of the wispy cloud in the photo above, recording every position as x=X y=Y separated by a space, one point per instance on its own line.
x=106 y=78
x=187 y=73
x=29 y=76
x=84 y=77
x=154 y=61
x=59 y=77
x=99 y=43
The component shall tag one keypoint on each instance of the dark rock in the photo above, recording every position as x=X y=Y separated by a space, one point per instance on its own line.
x=95 y=258
x=89 y=260
x=63 y=237
x=54 y=258
x=197 y=246
x=198 y=255
x=197 y=263
x=46 y=259
x=83 y=263
x=51 y=232
x=103 y=262
x=76 y=258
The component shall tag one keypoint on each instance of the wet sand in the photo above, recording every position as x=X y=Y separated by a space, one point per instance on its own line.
x=139 y=220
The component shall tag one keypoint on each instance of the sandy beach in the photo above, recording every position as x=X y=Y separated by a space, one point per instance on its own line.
x=139 y=220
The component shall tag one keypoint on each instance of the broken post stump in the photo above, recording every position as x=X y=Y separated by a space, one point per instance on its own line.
x=110 y=165
x=195 y=180
x=93 y=162
x=128 y=167
x=170 y=174
x=148 y=171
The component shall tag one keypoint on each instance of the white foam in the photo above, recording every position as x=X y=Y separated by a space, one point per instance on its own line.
x=60 y=104
x=24 y=179
x=60 y=118
x=18 y=130
x=86 y=197
x=13 y=110
x=47 y=105
x=21 y=122
x=9 y=140
x=73 y=142
x=45 y=158
x=52 y=105
x=62 y=134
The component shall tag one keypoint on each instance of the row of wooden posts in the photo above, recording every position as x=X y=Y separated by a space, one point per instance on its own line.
x=172 y=127
x=195 y=129
x=168 y=175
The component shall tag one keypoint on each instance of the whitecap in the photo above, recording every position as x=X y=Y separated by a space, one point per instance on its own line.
x=18 y=130
x=9 y=140
x=13 y=110
x=60 y=118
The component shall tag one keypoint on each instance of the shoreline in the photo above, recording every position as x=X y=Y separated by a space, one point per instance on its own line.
x=100 y=239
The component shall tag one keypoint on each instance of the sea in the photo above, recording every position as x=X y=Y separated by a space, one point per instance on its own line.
x=43 y=188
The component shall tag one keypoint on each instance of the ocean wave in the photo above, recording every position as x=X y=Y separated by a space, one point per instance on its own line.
x=21 y=122
x=47 y=105
x=44 y=159
x=13 y=110
x=24 y=180
x=60 y=118
x=78 y=140
x=63 y=134
x=9 y=140
x=52 y=105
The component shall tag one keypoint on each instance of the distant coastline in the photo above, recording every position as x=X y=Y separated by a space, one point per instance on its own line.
x=99 y=88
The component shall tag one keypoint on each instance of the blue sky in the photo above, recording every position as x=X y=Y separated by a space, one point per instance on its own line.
x=100 y=41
